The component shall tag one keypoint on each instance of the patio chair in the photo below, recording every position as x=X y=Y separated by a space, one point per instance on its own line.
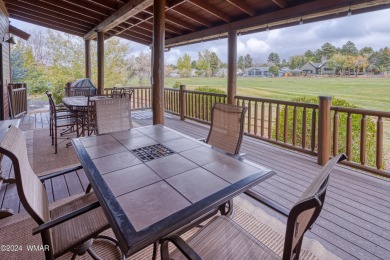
x=70 y=227
x=59 y=120
x=222 y=238
x=113 y=115
x=227 y=127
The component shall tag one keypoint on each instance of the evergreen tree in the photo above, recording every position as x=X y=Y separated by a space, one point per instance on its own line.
x=273 y=59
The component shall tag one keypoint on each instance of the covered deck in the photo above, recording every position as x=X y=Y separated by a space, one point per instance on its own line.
x=353 y=225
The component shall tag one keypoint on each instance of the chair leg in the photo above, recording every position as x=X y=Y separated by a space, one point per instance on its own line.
x=55 y=139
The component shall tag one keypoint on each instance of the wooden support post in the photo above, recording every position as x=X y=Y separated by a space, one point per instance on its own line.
x=324 y=125
x=232 y=66
x=88 y=59
x=100 y=62
x=158 y=61
x=182 y=102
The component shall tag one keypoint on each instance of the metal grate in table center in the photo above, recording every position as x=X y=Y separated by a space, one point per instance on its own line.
x=152 y=152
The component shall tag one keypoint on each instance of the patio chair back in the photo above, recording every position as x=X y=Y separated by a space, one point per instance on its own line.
x=31 y=191
x=305 y=212
x=227 y=127
x=113 y=115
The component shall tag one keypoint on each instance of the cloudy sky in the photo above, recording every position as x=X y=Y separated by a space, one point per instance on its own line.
x=371 y=29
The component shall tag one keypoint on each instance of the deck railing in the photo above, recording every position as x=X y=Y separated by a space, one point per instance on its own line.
x=355 y=140
x=290 y=124
x=17 y=99
x=141 y=97
x=316 y=129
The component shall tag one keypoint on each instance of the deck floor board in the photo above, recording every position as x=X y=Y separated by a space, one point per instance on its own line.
x=354 y=223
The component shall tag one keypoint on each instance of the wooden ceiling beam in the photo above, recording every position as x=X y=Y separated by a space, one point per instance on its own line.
x=51 y=8
x=281 y=3
x=194 y=17
x=173 y=3
x=148 y=19
x=113 y=5
x=56 y=22
x=173 y=20
x=133 y=39
x=47 y=25
x=243 y=6
x=134 y=29
x=93 y=7
x=211 y=9
x=287 y=16
x=138 y=36
x=121 y=15
x=20 y=33
x=88 y=11
x=38 y=12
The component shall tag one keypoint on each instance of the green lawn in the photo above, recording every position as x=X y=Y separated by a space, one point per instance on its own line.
x=371 y=93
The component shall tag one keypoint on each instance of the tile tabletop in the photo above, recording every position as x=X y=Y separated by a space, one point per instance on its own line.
x=141 y=191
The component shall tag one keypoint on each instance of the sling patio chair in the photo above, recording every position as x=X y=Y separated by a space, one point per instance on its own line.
x=227 y=128
x=70 y=227
x=113 y=115
x=62 y=121
x=222 y=238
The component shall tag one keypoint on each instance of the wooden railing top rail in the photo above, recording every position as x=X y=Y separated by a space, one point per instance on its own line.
x=281 y=102
x=205 y=93
x=367 y=112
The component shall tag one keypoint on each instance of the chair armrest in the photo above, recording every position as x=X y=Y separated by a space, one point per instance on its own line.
x=59 y=173
x=73 y=214
x=202 y=140
x=184 y=248
x=267 y=202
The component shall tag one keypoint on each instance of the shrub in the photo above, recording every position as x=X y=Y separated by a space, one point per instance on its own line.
x=342 y=133
x=210 y=90
x=176 y=84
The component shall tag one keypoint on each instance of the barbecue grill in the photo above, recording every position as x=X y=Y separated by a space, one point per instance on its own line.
x=81 y=87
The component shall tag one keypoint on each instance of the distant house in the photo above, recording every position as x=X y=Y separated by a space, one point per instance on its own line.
x=317 y=68
x=257 y=72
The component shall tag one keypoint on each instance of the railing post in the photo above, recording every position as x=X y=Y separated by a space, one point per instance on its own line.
x=324 y=126
x=182 y=102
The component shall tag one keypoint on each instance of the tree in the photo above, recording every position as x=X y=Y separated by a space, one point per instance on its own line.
x=214 y=63
x=248 y=61
x=349 y=49
x=18 y=69
x=273 y=70
x=360 y=63
x=184 y=66
x=296 y=61
x=273 y=58
x=203 y=64
x=310 y=56
x=328 y=50
x=366 y=52
x=193 y=64
x=241 y=64
x=338 y=62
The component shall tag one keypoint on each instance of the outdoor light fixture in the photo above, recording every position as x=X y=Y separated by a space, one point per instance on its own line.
x=267 y=28
x=10 y=40
x=301 y=21
x=349 y=12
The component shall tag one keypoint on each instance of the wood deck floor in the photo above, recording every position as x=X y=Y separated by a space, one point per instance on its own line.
x=355 y=221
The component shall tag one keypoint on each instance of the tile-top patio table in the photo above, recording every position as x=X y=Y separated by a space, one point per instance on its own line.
x=79 y=102
x=152 y=180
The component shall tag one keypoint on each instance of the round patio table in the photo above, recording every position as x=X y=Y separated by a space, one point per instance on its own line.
x=79 y=103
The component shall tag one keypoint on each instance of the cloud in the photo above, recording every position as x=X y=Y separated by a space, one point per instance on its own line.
x=254 y=45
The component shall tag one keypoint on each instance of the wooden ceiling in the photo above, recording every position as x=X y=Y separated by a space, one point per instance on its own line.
x=187 y=21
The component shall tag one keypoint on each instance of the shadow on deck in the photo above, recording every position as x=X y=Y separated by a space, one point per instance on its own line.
x=354 y=223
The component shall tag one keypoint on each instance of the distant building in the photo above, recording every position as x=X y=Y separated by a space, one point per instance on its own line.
x=257 y=72
x=317 y=68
